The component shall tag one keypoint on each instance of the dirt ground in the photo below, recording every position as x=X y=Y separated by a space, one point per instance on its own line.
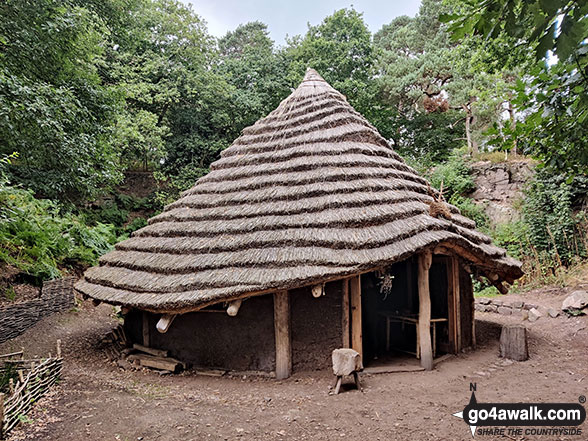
x=96 y=400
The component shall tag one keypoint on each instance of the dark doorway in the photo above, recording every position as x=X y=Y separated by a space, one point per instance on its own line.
x=390 y=307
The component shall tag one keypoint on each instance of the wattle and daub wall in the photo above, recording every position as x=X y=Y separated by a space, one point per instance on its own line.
x=213 y=339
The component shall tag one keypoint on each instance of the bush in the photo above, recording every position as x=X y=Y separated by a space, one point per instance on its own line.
x=551 y=235
x=39 y=240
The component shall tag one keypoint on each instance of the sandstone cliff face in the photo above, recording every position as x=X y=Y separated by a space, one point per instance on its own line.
x=499 y=186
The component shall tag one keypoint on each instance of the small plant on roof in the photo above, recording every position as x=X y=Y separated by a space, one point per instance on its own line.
x=437 y=207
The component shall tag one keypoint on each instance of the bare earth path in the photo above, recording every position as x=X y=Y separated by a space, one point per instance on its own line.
x=98 y=401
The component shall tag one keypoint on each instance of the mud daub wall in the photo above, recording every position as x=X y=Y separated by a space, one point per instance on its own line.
x=213 y=339
x=56 y=296
x=246 y=341
x=316 y=326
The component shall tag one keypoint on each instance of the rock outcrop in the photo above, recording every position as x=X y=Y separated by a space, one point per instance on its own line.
x=499 y=186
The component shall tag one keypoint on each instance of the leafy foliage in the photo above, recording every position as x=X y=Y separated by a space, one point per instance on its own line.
x=38 y=240
x=554 y=100
x=340 y=48
x=54 y=110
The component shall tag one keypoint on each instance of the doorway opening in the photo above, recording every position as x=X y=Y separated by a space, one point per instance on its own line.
x=390 y=313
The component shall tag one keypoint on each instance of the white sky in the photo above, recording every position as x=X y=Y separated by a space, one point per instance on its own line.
x=291 y=17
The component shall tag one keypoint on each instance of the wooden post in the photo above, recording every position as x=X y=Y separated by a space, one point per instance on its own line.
x=146 y=339
x=1 y=415
x=424 y=324
x=355 y=294
x=282 y=334
x=453 y=295
x=345 y=312
x=457 y=298
x=58 y=348
x=451 y=307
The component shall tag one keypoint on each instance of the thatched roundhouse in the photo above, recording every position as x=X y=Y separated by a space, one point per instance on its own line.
x=310 y=233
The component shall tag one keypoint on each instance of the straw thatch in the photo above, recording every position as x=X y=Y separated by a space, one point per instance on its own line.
x=310 y=193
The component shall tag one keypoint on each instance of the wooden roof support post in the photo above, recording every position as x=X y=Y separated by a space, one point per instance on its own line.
x=1 y=415
x=355 y=294
x=282 y=334
x=457 y=297
x=424 y=330
x=345 y=312
x=146 y=339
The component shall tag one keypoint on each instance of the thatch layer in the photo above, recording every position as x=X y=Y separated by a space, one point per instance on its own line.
x=310 y=193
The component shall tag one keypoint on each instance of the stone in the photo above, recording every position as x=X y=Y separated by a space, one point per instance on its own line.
x=529 y=306
x=497 y=302
x=525 y=314
x=553 y=313
x=504 y=310
x=576 y=300
x=479 y=307
x=346 y=361
x=484 y=301
x=492 y=308
x=534 y=315
x=542 y=310
x=517 y=304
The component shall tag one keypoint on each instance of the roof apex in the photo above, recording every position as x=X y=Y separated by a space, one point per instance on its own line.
x=312 y=75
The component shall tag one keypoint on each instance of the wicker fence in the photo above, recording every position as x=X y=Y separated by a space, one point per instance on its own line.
x=56 y=295
x=35 y=377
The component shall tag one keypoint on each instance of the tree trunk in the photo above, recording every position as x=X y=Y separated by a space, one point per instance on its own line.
x=513 y=343
x=469 y=121
x=513 y=124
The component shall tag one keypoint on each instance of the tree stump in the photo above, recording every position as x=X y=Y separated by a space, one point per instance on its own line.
x=513 y=343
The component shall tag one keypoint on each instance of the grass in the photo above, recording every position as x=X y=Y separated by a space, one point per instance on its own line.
x=10 y=293
x=489 y=291
x=497 y=157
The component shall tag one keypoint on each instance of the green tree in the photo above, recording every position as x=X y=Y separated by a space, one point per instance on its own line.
x=554 y=99
x=54 y=109
x=249 y=61
x=341 y=50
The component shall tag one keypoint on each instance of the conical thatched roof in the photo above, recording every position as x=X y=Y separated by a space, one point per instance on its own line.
x=309 y=193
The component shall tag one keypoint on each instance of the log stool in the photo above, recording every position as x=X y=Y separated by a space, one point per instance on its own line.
x=346 y=362
x=513 y=343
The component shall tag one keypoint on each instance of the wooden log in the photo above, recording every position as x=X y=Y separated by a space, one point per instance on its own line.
x=234 y=306
x=146 y=340
x=12 y=354
x=426 y=349
x=164 y=323
x=161 y=363
x=345 y=312
x=513 y=343
x=282 y=335
x=355 y=301
x=151 y=351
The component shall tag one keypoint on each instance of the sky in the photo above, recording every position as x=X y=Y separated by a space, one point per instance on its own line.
x=291 y=17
